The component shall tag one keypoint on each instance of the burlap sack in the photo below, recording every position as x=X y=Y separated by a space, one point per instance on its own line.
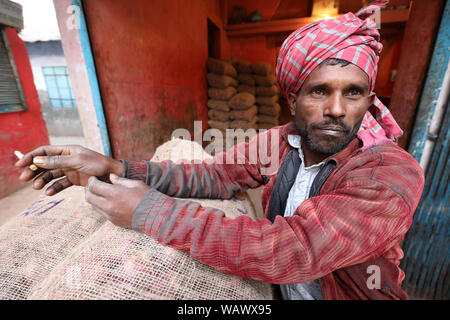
x=220 y=81
x=222 y=67
x=267 y=126
x=246 y=78
x=273 y=111
x=248 y=114
x=218 y=115
x=244 y=124
x=246 y=88
x=221 y=94
x=261 y=68
x=266 y=81
x=268 y=119
x=218 y=105
x=61 y=248
x=242 y=101
x=267 y=101
x=222 y=125
x=267 y=91
x=243 y=66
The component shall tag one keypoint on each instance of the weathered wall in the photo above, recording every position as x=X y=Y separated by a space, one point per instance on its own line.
x=151 y=63
x=23 y=131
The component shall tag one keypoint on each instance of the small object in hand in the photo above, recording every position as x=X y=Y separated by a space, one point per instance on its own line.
x=20 y=156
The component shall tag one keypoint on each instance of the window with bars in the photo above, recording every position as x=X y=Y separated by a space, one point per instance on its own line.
x=11 y=95
x=59 y=88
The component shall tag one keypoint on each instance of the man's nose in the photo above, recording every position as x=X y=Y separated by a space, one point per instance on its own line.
x=335 y=106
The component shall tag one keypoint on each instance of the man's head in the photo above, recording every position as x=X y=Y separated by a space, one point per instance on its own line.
x=330 y=105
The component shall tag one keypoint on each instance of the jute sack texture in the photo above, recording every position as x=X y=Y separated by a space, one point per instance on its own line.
x=221 y=94
x=246 y=88
x=221 y=67
x=242 y=101
x=248 y=114
x=218 y=115
x=243 y=66
x=261 y=68
x=220 y=81
x=218 y=105
x=270 y=110
x=61 y=248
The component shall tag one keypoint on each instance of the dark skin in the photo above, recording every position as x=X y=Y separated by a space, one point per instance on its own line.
x=329 y=109
x=328 y=112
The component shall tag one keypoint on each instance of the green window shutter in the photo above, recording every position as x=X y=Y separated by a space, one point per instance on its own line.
x=11 y=95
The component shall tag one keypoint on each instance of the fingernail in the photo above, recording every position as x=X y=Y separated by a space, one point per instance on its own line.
x=38 y=160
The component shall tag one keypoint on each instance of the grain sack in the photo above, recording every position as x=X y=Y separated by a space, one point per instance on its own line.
x=244 y=124
x=267 y=91
x=241 y=101
x=220 y=81
x=268 y=119
x=218 y=105
x=221 y=94
x=246 y=88
x=265 y=80
x=221 y=125
x=218 y=115
x=222 y=67
x=248 y=114
x=261 y=68
x=61 y=248
x=266 y=126
x=267 y=101
x=270 y=110
x=246 y=78
x=243 y=66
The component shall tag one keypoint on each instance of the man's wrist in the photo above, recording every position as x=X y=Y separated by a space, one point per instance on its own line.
x=116 y=167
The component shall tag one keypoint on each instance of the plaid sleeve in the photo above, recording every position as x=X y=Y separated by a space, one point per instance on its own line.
x=134 y=170
x=355 y=223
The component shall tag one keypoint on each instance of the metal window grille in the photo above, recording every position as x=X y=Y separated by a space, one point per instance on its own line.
x=59 y=88
x=11 y=95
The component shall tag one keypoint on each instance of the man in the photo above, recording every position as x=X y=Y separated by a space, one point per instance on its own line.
x=337 y=208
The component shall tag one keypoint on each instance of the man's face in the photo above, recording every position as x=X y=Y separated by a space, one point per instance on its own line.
x=330 y=107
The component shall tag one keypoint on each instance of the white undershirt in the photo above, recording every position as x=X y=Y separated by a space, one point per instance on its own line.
x=299 y=193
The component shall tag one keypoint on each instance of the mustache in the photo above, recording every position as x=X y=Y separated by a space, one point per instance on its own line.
x=338 y=124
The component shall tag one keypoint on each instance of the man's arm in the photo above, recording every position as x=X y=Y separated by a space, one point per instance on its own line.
x=358 y=221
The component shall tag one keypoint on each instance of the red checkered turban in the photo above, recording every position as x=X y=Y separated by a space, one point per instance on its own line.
x=351 y=37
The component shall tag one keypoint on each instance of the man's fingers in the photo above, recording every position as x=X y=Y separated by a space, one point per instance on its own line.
x=41 y=151
x=58 y=186
x=29 y=174
x=41 y=180
x=96 y=200
x=101 y=188
x=129 y=183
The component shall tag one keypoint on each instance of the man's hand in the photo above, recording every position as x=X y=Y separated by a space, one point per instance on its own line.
x=116 y=201
x=72 y=165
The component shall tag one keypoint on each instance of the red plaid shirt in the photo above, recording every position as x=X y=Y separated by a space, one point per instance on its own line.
x=357 y=220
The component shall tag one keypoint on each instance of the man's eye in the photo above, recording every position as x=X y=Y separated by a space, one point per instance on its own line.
x=318 y=91
x=353 y=92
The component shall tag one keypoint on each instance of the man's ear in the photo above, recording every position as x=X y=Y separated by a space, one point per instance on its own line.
x=371 y=98
x=292 y=99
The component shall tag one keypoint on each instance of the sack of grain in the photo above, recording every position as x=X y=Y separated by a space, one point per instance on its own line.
x=266 y=81
x=267 y=101
x=221 y=94
x=220 y=81
x=267 y=91
x=221 y=125
x=218 y=105
x=222 y=67
x=218 y=115
x=241 y=101
x=261 y=68
x=60 y=248
x=246 y=78
x=273 y=111
x=248 y=114
x=243 y=66
x=268 y=119
x=246 y=88
x=244 y=124
x=266 y=126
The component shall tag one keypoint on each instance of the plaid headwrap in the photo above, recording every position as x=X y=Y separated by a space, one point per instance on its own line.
x=351 y=37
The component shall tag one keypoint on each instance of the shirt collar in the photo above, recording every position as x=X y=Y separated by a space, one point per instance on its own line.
x=295 y=142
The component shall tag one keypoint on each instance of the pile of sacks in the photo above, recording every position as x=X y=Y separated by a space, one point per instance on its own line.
x=267 y=95
x=222 y=83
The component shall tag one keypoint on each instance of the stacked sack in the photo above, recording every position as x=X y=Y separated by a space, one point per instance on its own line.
x=244 y=111
x=221 y=78
x=267 y=95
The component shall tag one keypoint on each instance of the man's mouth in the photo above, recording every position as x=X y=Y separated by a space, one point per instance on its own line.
x=332 y=130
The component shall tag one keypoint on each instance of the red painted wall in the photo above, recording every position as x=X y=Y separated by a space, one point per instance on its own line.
x=151 y=64
x=23 y=131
